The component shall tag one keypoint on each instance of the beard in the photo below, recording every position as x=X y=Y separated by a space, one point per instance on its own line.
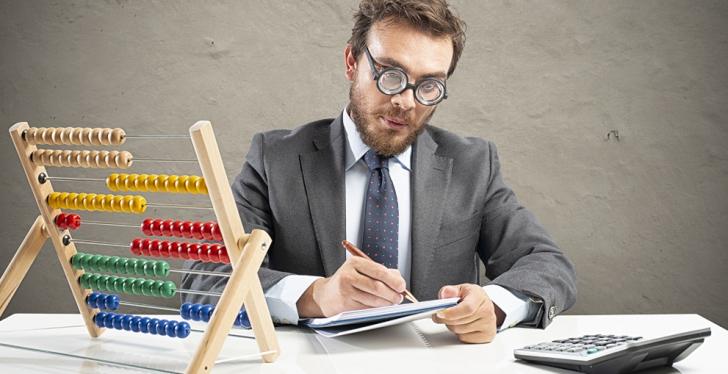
x=386 y=142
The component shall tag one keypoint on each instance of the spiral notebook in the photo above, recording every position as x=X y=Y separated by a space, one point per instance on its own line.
x=374 y=318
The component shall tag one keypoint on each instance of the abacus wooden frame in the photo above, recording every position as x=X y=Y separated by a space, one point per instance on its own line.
x=246 y=253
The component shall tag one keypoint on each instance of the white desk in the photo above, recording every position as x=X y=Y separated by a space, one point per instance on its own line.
x=306 y=352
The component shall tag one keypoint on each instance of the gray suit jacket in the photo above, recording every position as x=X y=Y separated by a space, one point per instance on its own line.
x=292 y=186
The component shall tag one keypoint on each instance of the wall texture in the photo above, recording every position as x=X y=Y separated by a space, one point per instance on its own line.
x=644 y=218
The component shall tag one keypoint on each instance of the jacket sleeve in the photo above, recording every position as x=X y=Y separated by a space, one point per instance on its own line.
x=519 y=254
x=250 y=190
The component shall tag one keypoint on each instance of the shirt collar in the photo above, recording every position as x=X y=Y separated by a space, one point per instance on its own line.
x=357 y=148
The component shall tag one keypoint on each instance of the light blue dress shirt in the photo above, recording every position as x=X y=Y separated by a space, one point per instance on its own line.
x=282 y=296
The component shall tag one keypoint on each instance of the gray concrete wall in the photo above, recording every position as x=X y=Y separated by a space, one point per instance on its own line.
x=644 y=218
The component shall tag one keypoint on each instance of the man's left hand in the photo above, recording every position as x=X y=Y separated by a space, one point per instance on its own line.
x=475 y=318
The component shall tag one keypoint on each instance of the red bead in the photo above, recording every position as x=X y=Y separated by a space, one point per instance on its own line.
x=216 y=233
x=154 y=248
x=184 y=251
x=202 y=252
x=167 y=227
x=193 y=250
x=145 y=248
x=174 y=250
x=136 y=246
x=224 y=258
x=207 y=230
x=60 y=221
x=186 y=229
x=213 y=253
x=73 y=221
x=164 y=248
x=147 y=226
x=156 y=227
x=177 y=228
x=197 y=230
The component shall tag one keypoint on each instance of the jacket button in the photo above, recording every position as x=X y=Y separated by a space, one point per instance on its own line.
x=552 y=312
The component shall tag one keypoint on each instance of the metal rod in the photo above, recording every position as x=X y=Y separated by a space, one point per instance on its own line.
x=160 y=160
x=93 y=242
x=111 y=224
x=200 y=272
x=159 y=205
x=75 y=179
x=203 y=293
x=157 y=136
x=149 y=306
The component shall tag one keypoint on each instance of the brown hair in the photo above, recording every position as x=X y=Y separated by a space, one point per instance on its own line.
x=430 y=16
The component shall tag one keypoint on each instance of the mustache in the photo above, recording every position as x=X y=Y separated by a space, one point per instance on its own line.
x=398 y=114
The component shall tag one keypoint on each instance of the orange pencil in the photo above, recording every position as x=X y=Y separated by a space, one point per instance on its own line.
x=354 y=251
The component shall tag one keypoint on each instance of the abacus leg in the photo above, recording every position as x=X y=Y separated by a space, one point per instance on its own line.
x=19 y=265
x=261 y=322
x=244 y=275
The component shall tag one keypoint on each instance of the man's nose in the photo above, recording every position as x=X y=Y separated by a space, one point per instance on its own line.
x=405 y=100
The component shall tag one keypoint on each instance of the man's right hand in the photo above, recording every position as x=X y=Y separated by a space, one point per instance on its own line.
x=358 y=284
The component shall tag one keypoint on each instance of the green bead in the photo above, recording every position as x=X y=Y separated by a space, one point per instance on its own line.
x=139 y=267
x=117 y=284
x=149 y=268
x=74 y=261
x=136 y=286
x=84 y=261
x=168 y=289
x=130 y=266
x=95 y=263
x=104 y=283
x=83 y=281
x=93 y=281
x=147 y=287
x=121 y=266
x=126 y=286
x=161 y=268
x=103 y=264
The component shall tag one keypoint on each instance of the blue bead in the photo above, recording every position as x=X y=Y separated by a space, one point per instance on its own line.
x=99 y=319
x=91 y=299
x=171 y=329
x=206 y=312
x=152 y=326
x=242 y=320
x=162 y=327
x=112 y=302
x=144 y=325
x=135 y=323
x=109 y=320
x=117 y=321
x=126 y=322
x=184 y=310
x=182 y=330
x=195 y=312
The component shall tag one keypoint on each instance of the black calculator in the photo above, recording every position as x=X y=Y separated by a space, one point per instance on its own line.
x=598 y=353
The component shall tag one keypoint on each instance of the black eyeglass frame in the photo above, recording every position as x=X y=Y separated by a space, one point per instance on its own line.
x=378 y=74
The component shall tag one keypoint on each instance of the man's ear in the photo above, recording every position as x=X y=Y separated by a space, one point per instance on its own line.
x=350 y=63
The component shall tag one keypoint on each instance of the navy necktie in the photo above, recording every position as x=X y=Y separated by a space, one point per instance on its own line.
x=381 y=220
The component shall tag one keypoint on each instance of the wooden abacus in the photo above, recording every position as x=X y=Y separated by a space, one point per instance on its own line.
x=244 y=251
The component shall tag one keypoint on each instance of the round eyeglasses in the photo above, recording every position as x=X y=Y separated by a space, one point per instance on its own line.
x=393 y=80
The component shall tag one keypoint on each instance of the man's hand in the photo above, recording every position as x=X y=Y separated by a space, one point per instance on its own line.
x=475 y=318
x=358 y=284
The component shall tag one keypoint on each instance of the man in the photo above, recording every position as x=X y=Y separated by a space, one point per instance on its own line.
x=424 y=203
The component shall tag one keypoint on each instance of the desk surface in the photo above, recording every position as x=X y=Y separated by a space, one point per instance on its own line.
x=306 y=352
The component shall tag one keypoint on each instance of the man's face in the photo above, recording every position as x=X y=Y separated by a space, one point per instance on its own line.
x=389 y=124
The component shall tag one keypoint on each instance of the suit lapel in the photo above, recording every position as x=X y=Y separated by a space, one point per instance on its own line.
x=323 y=177
x=430 y=180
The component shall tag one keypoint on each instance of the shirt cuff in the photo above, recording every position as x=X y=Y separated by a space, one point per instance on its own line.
x=283 y=296
x=515 y=306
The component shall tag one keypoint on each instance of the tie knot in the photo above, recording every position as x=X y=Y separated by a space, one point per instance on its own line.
x=375 y=161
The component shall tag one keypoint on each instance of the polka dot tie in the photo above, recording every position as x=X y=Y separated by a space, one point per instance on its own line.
x=381 y=223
